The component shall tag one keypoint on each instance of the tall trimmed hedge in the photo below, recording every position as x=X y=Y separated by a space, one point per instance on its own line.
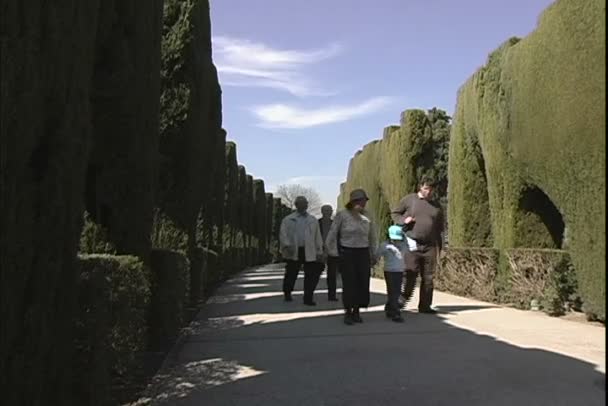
x=111 y=323
x=124 y=104
x=267 y=256
x=531 y=124
x=259 y=219
x=388 y=169
x=190 y=113
x=112 y=109
x=170 y=276
x=231 y=200
x=46 y=66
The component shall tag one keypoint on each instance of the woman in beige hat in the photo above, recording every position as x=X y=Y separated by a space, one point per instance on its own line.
x=352 y=237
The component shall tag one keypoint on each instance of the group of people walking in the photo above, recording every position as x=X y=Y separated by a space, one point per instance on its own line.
x=348 y=244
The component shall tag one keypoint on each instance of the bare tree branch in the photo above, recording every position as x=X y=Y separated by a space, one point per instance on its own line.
x=289 y=192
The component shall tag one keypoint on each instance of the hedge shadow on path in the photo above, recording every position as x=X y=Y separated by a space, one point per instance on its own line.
x=312 y=358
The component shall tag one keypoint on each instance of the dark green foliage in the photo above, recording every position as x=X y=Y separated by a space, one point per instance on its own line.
x=259 y=219
x=170 y=280
x=469 y=208
x=111 y=326
x=391 y=168
x=242 y=223
x=269 y=227
x=81 y=131
x=277 y=214
x=46 y=65
x=231 y=200
x=166 y=234
x=190 y=130
x=124 y=104
x=94 y=238
x=537 y=113
x=198 y=264
x=215 y=209
x=211 y=275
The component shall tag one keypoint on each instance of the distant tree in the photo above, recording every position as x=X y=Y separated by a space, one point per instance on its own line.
x=289 y=192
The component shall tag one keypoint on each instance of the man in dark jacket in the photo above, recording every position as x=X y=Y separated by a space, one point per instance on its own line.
x=423 y=222
x=325 y=223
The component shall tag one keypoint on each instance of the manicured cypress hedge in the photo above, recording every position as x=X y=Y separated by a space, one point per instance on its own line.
x=259 y=219
x=45 y=134
x=388 y=169
x=124 y=105
x=269 y=236
x=170 y=284
x=536 y=111
x=111 y=323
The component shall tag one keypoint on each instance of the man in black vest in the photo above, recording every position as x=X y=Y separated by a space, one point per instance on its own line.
x=422 y=220
x=332 y=262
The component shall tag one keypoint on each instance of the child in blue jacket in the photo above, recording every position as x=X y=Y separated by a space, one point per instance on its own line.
x=394 y=266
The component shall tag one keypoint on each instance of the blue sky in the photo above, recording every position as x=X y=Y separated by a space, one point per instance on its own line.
x=308 y=83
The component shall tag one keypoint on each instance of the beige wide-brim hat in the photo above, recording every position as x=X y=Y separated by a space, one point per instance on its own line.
x=358 y=194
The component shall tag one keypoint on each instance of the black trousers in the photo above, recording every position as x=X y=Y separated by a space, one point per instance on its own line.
x=393 y=290
x=420 y=262
x=355 y=268
x=332 y=272
x=312 y=274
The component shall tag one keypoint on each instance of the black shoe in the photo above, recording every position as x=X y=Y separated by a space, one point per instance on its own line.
x=310 y=303
x=398 y=319
x=357 y=317
x=288 y=297
x=348 y=319
x=427 y=311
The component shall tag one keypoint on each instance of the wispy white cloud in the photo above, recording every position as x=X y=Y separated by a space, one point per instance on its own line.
x=285 y=116
x=253 y=64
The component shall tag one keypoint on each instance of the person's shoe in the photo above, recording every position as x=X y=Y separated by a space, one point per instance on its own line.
x=398 y=319
x=348 y=319
x=427 y=311
x=288 y=297
x=402 y=302
x=357 y=317
x=310 y=303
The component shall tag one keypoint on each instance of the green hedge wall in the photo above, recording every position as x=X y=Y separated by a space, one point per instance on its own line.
x=111 y=324
x=388 y=169
x=259 y=218
x=267 y=255
x=113 y=110
x=231 y=201
x=124 y=106
x=534 y=118
x=190 y=113
x=45 y=133
x=542 y=275
x=170 y=280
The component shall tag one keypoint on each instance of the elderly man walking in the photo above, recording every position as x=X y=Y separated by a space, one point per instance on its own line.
x=301 y=245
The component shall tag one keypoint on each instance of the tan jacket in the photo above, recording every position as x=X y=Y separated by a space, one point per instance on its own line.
x=313 y=245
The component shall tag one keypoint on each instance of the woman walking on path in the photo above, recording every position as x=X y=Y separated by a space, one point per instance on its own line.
x=352 y=237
